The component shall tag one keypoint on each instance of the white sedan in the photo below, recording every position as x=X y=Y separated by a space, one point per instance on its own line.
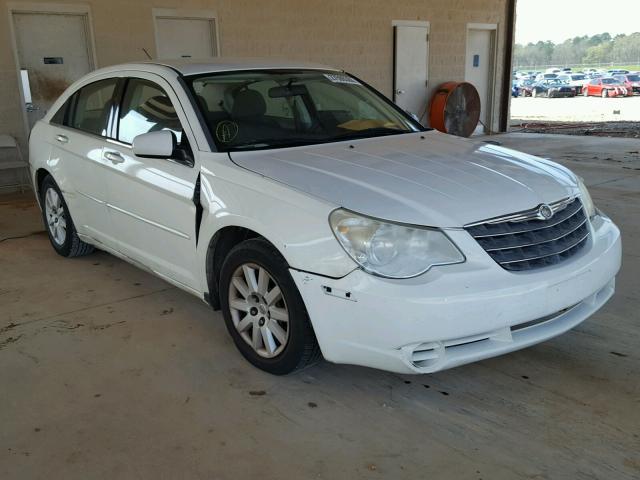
x=321 y=219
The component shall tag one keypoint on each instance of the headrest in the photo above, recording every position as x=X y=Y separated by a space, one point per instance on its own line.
x=248 y=103
x=159 y=108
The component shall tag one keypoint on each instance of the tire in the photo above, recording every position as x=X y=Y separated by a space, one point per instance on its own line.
x=534 y=93
x=585 y=91
x=605 y=93
x=58 y=222
x=255 y=315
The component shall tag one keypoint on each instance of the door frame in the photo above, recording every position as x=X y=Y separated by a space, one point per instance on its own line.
x=491 y=94
x=408 y=23
x=81 y=10
x=187 y=14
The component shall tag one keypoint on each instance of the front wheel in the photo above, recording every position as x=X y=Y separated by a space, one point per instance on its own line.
x=605 y=93
x=264 y=311
x=55 y=214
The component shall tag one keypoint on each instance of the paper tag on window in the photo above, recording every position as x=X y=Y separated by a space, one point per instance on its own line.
x=341 y=78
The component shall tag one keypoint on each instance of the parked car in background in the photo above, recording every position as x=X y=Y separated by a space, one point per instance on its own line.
x=320 y=218
x=606 y=87
x=553 y=88
x=526 y=87
x=631 y=81
x=575 y=80
x=618 y=72
x=546 y=76
x=515 y=89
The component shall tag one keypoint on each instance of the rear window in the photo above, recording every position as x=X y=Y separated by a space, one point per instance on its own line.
x=92 y=107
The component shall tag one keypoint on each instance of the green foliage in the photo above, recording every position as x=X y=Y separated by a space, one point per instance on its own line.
x=596 y=49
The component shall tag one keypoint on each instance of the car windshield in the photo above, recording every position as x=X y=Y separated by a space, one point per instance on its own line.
x=578 y=77
x=274 y=109
x=609 y=80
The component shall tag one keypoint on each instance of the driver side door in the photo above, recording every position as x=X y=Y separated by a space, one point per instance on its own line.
x=151 y=200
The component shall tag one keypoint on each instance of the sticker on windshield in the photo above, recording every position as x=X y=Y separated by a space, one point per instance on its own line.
x=341 y=78
x=226 y=131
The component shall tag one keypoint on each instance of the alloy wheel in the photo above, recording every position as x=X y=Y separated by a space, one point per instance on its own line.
x=56 y=217
x=258 y=310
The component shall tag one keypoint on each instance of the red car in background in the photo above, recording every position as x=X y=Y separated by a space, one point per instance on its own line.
x=606 y=87
x=631 y=81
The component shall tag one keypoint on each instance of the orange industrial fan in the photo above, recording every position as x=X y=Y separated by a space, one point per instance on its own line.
x=455 y=109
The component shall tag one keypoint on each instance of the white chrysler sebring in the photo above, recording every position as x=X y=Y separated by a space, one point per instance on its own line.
x=322 y=220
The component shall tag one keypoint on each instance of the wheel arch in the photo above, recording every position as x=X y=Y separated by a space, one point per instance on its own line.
x=220 y=244
x=40 y=175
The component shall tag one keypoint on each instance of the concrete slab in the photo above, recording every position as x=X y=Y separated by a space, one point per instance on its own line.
x=107 y=372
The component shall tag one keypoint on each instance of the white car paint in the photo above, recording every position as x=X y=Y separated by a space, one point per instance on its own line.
x=142 y=210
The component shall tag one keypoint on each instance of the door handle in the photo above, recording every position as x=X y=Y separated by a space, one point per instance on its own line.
x=62 y=138
x=114 y=157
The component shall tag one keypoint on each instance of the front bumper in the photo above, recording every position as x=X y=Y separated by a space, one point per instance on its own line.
x=458 y=314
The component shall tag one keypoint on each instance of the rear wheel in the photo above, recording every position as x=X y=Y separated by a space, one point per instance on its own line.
x=55 y=214
x=264 y=311
x=534 y=93
x=585 y=91
x=605 y=93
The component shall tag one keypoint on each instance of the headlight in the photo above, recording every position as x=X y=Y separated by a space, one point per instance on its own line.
x=587 y=202
x=392 y=250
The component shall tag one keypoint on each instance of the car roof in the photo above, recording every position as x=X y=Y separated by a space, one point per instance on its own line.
x=190 y=66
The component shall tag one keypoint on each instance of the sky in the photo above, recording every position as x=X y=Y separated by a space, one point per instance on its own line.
x=558 y=20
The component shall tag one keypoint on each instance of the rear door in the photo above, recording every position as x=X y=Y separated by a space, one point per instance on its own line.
x=78 y=132
x=151 y=201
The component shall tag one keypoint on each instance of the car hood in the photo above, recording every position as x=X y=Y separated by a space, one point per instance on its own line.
x=425 y=178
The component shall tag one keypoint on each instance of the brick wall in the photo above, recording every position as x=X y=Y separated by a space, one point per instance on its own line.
x=353 y=34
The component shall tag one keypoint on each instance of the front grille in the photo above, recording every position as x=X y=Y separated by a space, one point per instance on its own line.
x=522 y=241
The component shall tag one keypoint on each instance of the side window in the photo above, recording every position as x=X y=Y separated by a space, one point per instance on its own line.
x=146 y=108
x=92 y=107
x=60 y=117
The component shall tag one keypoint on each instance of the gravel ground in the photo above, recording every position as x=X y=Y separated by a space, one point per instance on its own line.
x=578 y=109
x=611 y=117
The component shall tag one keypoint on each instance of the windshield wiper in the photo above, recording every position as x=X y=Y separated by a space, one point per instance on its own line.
x=369 y=132
x=277 y=142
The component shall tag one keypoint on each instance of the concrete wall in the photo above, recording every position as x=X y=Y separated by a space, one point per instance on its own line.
x=354 y=34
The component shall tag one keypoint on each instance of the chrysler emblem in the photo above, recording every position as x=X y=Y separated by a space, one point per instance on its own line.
x=545 y=212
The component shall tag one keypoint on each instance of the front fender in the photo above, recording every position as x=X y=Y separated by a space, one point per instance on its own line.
x=294 y=222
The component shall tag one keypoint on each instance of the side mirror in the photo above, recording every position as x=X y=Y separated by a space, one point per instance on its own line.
x=161 y=144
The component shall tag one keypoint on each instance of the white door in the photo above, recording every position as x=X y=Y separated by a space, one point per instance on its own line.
x=77 y=140
x=179 y=37
x=479 y=70
x=151 y=199
x=54 y=51
x=411 y=68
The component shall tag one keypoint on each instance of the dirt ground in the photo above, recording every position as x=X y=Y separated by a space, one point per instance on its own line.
x=107 y=372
